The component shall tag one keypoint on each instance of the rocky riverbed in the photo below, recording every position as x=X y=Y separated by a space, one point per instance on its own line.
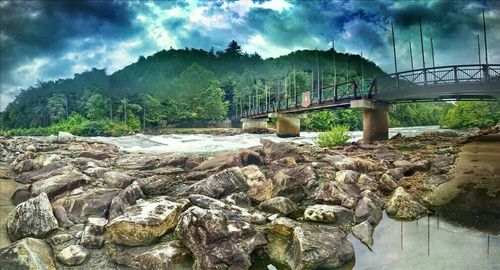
x=84 y=205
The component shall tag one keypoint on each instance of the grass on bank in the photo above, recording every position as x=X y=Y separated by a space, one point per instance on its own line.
x=337 y=136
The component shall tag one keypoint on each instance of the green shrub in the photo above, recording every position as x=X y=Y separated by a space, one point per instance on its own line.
x=338 y=135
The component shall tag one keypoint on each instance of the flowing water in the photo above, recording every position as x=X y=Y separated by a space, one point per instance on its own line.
x=203 y=143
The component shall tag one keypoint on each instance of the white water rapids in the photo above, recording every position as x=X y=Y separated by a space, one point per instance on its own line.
x=204 y=143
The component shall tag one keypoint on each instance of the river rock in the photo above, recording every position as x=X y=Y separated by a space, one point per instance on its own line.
x=53 y=169
x=250 y=157
x=404 y=206
x=32 y=218
x=347 y=176
x=65 y=136
x=62 y=217
x=58 y=184
x=144 y=223
x=28 y=253
x=334 y=192
x=364 y=232
x=366 y=182
x=94 y=202
x=137 y=162
x=220 y=184
x=356 y=164
x=73 y=255
x=23 y=166
x=90 y=239
x=368 y=210
x=386 y=183
x=334 y=214
x=260 y=188
x=305 y=246
x=161 y=184
x=275 y=151
x=216 y=239
x=279 y=205
x=441 y=164
x=165 y=255
x=117 y=179
x=125 y=198
x=215 y=164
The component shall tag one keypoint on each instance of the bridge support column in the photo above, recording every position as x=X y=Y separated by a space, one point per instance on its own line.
x=288 y=125
x=375 y=119
x=253 y=124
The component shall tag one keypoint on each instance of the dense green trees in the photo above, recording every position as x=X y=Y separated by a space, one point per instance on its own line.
x=183 y=86
x=468 y=114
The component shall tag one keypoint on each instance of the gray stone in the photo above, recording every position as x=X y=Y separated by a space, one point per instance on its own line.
x=218 y=239
x=220 y=184
x=404 y=206
x=279 y=205
x=364 y=232
x=145 y=222
x=125 y=198
x=73 y=255
x=334 y=214
x=32 y=218
x=28 y=254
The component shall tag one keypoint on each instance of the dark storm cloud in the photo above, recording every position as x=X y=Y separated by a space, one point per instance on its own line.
x=42 y=40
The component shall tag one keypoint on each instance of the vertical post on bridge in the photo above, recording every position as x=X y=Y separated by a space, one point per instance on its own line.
x=411 y=60
x=294 y=86
x=422 y=47
x=478 y=50
x=485 y=69
x=363 y=75
x=334 y=64
x=395 y=59
x=432 y=52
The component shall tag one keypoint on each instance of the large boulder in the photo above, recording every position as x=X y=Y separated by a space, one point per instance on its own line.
x=275 y=151
x=117 y=179
x=368 y=208
x=334 y=214
x=356 y=164
x=335 y=192
x=218 y=239
x=279 y=205
x=164 y=255
x=92 y=202
x=215 y=164
x=404 y=206
x=73 y=255
x=304 y=246
x=144 y=223
x=125 y=198
x=53 y=169
x=364 y=232
x=32 y=218
x=259 y=187
x=27 y=254
x=58 y=184
x=161 y=184
x=220 y=184
x=65 y=137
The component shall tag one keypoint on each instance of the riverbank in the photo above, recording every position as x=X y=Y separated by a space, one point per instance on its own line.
x=291 y=204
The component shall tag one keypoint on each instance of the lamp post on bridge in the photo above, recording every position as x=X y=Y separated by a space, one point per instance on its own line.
x=422 y=47
x=394 y=50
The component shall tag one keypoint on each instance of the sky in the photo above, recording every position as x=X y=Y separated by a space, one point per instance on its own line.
x=48 y=40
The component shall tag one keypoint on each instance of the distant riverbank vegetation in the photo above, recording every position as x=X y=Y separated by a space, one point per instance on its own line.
x=178 y=87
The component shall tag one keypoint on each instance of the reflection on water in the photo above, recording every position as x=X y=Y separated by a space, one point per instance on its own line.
x=427 y=243
x=204 y=143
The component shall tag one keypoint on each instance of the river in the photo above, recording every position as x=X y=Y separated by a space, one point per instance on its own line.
x=427 y=243
x=204 y=143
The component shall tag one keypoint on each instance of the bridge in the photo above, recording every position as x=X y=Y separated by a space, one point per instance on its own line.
x=445 y=83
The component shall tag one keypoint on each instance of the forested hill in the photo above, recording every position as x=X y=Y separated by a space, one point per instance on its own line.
x=175 y=86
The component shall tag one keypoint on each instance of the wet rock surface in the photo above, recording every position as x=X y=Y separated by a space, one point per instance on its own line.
x=96 y=207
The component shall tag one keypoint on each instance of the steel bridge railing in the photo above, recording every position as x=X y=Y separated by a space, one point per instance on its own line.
x=344 y=92
x=435 y=76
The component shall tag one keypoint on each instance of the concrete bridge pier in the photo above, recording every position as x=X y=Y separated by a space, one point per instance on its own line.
x=375 y=119
x=252 y=124
x=288 y=125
